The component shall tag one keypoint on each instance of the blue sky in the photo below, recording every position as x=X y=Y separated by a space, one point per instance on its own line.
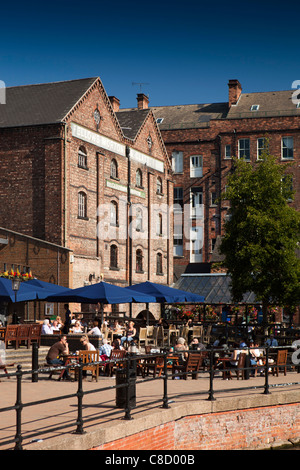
x=185 y=52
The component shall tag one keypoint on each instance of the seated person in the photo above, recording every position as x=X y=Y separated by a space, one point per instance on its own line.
x=129 y=334
x=196 y=345
x=55 y=326
x=46 y=328
x=105 y=350
x=57 y=350
x=86 y=345
x=181 y=347
x=116 y=328
x=77 y=328
x=95 y=331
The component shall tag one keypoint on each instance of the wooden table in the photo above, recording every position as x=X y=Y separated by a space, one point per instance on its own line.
x=225 y=370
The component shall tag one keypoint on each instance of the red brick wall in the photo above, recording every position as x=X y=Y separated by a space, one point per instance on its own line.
x=255 y=428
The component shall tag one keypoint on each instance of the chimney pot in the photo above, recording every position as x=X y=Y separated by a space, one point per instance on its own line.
x=235 y=90
x=142 y=101
x=115 y=102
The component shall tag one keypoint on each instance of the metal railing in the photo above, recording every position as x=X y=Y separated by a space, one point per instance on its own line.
x=130 y=379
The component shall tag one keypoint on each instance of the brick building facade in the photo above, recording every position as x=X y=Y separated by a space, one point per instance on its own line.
x=79 y=174
x=201 y=140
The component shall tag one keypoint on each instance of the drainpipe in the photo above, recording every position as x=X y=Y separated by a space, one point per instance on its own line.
x=129 y=219
x=65 y=185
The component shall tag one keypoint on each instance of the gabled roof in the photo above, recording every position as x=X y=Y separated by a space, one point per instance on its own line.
x=44 y=103
x=131 y=121
x=271 y=103
x=189 y=116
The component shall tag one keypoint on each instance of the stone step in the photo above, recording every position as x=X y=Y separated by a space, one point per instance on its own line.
x=23 y=356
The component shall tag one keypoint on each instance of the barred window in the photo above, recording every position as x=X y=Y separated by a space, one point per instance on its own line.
x=113 y=256
x=139 y=178
x=82 y=205
x=159 y=267
x=82 y=158
x=114 y=169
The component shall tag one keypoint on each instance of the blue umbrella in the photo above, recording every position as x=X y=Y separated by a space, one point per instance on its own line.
x=165 y=293
x=103 y=293
x=47 y=288
x=25 y=293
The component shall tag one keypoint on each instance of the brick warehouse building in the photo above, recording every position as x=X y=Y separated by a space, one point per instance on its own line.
x=201 y=140
x=76 y=173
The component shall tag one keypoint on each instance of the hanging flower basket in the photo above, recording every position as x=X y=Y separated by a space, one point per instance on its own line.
x=16 y=275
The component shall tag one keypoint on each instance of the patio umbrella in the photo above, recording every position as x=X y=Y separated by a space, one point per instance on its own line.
x=25 y=293
x=166 y=294
x=103 y=293
x=48 y=288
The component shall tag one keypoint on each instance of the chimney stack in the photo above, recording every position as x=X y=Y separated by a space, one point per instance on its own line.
x=235 y=90
x=115 y=102
x=142 y=101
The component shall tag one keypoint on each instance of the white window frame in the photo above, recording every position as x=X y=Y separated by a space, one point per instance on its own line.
x=196 y=166
x=196 y=199
x=82 y=205
x=284 y=147
x=196 y=255
x=255 y=107
x=243 y=149
x=177 y=161
x=261 y=148
x=227 y=147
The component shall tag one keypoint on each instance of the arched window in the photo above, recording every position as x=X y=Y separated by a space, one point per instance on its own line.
x=82 y=205
x=159 y=226
x=113 y=169
x=139 y=219
x=139 y=261
x=159 y=187
x=113 y=256
x=113 y=213
x=139 y=178
x=82 y=157
x=159 y=267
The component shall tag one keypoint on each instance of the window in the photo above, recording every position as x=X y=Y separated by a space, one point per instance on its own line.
x=287 y=148
x=196 y=166
x=177 y=162
x=113 y=256
x=159 y=227
x=159 y=267
x=178 y=197
x=213 y=244
x=82 y=205
x=244 y=149
x=255 y=107
x=196 y=202
x=113 y=213
x=159 y=187
x=139 y=220
x=139 y=261
x=228 y=151
x=177 y=247
x=159 y=120
x=196 y=243
x=114 y=169
x=213 y=199
x=82 y=158
x=139 y=178
x=262 y=145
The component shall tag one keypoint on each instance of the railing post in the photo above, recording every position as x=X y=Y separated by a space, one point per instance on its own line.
x=79 y=422
x=127 y=397
x=211 y=377
x=19 y=408
x=266 y=387
x=35 y=362
x=165 y=398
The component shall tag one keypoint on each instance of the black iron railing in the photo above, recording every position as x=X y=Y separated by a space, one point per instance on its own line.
x=130 y=380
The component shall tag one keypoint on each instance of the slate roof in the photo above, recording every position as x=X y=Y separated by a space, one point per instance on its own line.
x=131 y=121
x=43 y=103
x=189 y=116
x=271 y=103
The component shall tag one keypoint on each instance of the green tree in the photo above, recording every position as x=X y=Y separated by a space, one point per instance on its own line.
x=262 y=233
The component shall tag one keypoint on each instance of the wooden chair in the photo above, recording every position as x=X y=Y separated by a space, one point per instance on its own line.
x=280 y=362
x=116 y=355
x=89 y=358
x=241 y=365
x=154 y=366
x=191 y=366
x=142 y=337
x=206 y=336
x=35 y=333
x=11 y=334
x=23 y=335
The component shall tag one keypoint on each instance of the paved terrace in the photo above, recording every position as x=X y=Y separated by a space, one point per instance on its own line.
x=103 y=422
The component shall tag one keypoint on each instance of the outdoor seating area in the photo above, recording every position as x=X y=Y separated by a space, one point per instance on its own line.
x=17 y=335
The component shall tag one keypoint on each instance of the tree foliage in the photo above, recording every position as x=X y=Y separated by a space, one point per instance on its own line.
x=262 y=232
